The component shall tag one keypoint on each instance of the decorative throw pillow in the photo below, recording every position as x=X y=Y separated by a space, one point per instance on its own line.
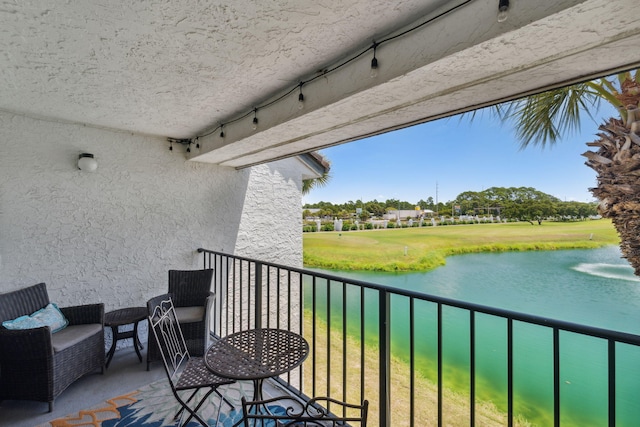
x=22 y=322
x=50 y=316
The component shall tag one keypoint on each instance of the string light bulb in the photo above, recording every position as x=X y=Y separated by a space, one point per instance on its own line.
x=255 y=119
x=374 y=63
x=503 y=8
x=221 y=131
x=184 y=142
x=300 y=99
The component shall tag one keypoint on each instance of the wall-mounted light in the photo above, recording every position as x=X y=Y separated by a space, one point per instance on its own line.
x=503 y=8
x=87 y=163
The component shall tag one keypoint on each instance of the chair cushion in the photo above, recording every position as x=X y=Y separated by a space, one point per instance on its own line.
x=50 y=316
x=190 y=314
x=72 y=335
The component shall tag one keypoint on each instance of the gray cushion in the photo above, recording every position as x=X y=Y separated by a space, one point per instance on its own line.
x=72 y=335
x=190 y=314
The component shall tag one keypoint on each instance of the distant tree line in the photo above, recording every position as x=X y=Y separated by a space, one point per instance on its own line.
x=521 y=203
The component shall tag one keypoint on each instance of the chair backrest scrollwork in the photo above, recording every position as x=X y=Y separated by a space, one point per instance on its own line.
x=168 y=334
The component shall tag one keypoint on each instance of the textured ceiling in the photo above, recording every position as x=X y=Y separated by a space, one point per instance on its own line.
x=172 y=68
x=179 y=69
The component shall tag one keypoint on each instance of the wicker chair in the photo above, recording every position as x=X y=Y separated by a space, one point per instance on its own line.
x=38 y=365
x=191 y=293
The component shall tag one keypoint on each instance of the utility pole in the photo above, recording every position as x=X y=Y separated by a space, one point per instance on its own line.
x=436 y=198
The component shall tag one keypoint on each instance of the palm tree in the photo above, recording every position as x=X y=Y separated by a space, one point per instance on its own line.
x=615 y=155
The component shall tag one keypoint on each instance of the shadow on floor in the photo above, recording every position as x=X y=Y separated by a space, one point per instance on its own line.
x=126 y=373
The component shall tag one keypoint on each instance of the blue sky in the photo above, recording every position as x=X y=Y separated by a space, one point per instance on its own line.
x=458 y=155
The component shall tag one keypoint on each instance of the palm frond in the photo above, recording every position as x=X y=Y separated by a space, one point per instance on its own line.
x=310 y=184
x=542 y=118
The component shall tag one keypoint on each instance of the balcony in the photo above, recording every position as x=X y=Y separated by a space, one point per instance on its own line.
x=123 y=83
x=407 y=353
x=402 y=350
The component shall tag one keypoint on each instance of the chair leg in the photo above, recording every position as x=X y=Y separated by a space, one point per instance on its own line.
x=193 y=412
x=193 y=415
x=181 y=410
x=51 y=406
x=219 y=409
x=224 y=399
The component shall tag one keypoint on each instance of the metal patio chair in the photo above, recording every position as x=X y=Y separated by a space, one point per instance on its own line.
x=289 y=411
x=185 y=373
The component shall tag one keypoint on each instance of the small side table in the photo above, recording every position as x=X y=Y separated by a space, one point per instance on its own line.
x=125 y=316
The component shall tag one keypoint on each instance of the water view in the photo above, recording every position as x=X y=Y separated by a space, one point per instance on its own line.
x=592 y=287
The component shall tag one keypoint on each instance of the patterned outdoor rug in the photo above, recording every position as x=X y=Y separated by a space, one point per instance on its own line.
x=153 y=406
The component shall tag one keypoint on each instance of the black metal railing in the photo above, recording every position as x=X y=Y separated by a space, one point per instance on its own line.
x=391 y=345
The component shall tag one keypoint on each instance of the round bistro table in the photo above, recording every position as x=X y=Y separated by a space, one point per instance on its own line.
x=256 y=354
x=125 y=316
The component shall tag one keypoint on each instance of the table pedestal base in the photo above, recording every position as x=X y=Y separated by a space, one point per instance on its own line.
x=117 y=336
x=125 y=316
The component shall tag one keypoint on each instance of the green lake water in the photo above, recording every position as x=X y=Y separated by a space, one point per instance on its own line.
x=591 y=287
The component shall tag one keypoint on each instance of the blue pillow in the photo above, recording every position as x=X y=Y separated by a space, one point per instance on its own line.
x=50 y=316
x=22 y=322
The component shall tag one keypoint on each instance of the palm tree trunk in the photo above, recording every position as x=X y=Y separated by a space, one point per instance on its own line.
x=617 y=164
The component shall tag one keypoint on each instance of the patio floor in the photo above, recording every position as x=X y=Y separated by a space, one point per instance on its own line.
x=125 y=374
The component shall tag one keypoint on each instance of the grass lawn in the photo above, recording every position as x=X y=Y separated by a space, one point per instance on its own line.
x=426 y=248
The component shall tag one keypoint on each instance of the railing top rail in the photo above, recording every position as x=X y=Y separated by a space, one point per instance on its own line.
x=477 y=308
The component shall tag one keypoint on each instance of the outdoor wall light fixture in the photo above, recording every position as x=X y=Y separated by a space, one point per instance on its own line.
x=87 y=163
x=503 y=8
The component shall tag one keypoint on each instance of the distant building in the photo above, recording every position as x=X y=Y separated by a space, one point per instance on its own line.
x=402 y=214
x=313 y=213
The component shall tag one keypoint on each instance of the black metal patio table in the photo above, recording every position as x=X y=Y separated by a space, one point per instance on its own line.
x=256 y=354
x=124 y=316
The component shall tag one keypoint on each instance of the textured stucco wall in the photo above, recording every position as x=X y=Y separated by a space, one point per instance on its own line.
x=110 y=236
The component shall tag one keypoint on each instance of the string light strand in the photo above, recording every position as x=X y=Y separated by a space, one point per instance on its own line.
x=301 y=98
